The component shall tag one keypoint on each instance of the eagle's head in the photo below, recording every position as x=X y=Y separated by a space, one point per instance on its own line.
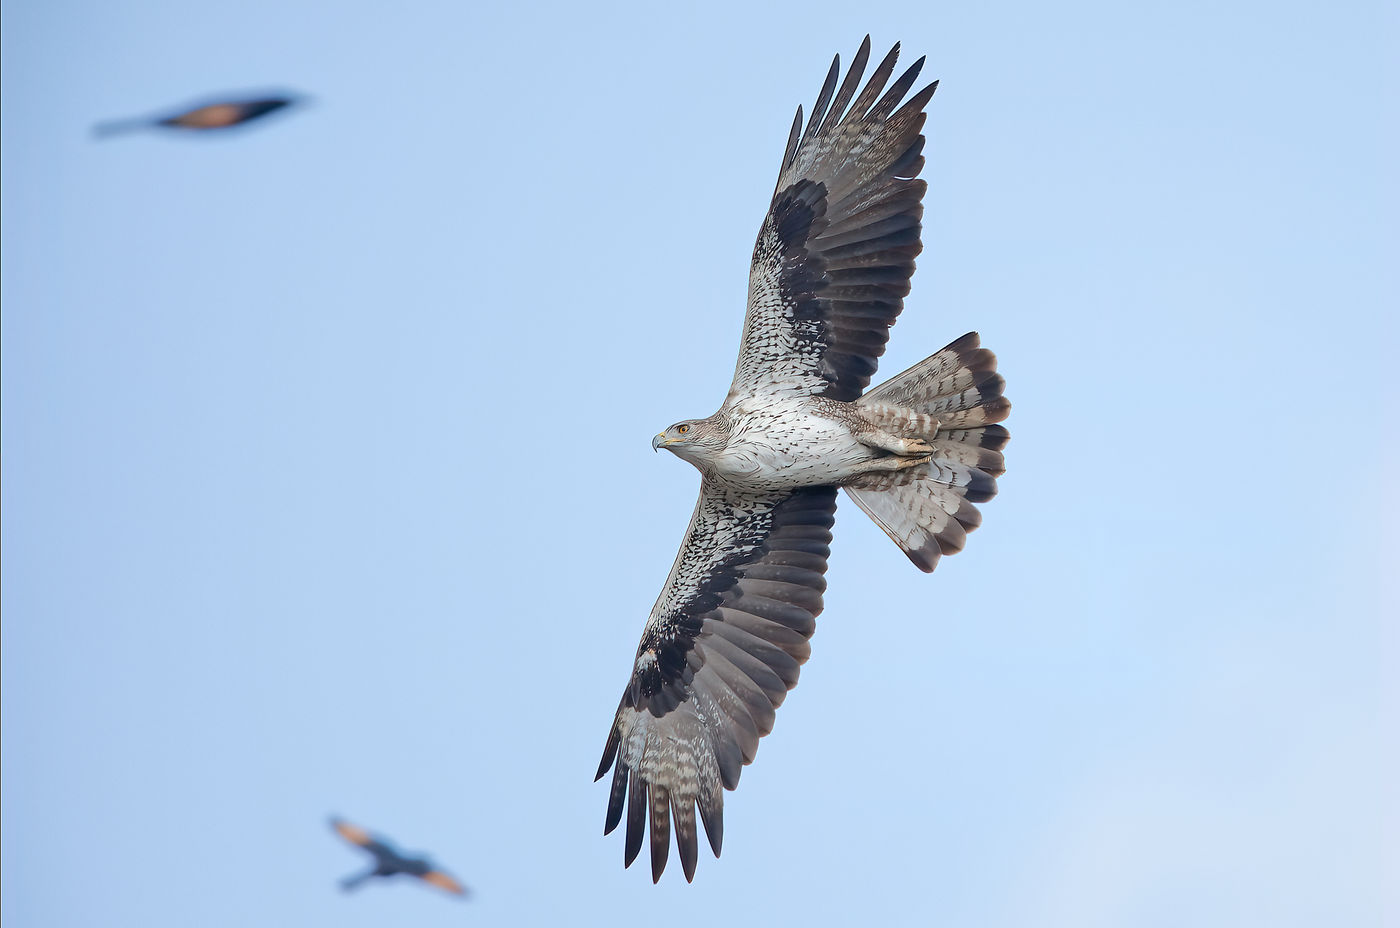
x=695 y=440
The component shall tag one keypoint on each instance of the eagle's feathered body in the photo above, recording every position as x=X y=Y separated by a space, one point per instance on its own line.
x=789 y=442
x=728 y=633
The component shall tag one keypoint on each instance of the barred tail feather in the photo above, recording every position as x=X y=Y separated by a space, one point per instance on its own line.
x=958 y=385
x=928 y=510
x=926 y=519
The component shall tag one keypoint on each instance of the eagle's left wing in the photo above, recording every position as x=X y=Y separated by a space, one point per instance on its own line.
x=833 y=259
x=719 y=653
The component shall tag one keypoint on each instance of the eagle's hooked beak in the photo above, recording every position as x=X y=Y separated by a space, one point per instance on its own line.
x=658 y=441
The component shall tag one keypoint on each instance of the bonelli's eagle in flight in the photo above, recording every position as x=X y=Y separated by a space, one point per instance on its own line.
x=830 y=270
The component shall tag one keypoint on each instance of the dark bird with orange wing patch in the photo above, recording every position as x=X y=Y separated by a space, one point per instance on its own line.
x=388 y=861
x=218 y=114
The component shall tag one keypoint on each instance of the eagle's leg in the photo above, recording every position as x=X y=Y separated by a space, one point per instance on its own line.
x=890 y=464
x=895 y=444
x=896 y=430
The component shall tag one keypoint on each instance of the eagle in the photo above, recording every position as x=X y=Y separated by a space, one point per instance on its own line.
x=729 y=632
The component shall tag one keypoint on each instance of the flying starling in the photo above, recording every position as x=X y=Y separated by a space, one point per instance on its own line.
x=220 y=114
x=388 y=861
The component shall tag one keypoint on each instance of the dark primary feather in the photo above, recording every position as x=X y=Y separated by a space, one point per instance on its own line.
x=720 y=651
x=835 y=253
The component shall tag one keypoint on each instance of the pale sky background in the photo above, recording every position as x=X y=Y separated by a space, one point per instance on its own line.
x=327 y=484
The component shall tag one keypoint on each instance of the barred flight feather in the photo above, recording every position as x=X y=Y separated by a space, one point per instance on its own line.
x=761 y=562
x=817 y=321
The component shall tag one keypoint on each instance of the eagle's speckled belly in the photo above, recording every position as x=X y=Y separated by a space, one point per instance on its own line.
x=789 y=446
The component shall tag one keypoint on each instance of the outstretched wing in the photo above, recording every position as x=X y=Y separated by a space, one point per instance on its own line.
x=358 y=836
x=444 y=881
x=719 y=653
x=352 y=833
x=835 y=253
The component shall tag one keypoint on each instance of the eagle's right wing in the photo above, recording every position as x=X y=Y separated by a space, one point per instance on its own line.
x=836 y=250
x=719 y=653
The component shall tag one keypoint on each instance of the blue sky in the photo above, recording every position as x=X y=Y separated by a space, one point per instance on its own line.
x=328 y=489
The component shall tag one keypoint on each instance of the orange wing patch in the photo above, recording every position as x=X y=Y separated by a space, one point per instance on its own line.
x=443 y=881
x=214 y=116
x=352 y=833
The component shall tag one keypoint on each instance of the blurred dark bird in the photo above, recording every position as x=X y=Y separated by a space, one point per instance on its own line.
x=222 y=114
x=389 y=862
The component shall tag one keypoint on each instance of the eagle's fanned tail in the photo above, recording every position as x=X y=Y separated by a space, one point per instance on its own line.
x=928 y=510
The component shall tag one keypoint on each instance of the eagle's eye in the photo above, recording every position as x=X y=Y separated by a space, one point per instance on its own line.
x=682 y=429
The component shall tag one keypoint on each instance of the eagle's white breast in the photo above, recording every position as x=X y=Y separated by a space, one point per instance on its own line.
x=787 y=443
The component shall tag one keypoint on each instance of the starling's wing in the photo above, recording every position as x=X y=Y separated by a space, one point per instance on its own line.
x=361 y=838
x=352 y=833
x=444 y=881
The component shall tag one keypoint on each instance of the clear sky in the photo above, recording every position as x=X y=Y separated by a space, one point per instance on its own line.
x=327 y=484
